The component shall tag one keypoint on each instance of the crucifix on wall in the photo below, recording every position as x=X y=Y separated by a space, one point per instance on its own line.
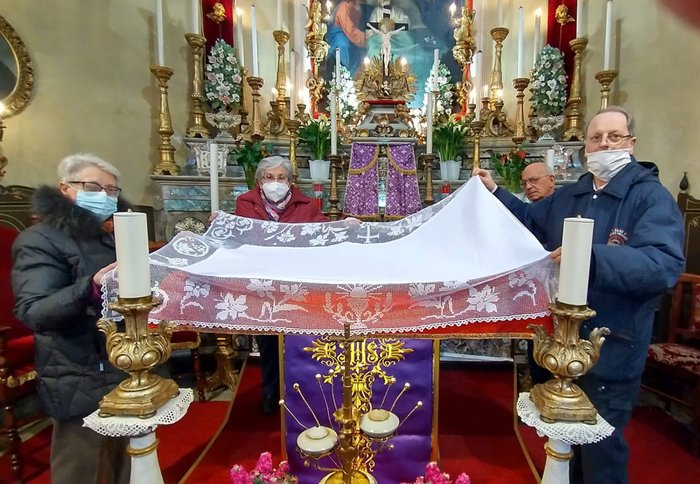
x=386 y=28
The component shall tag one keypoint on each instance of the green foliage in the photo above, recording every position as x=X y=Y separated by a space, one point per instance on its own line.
x=448 y=139
x=316 y=135
x=509 y=167
x=248 y=156
x=548 y=85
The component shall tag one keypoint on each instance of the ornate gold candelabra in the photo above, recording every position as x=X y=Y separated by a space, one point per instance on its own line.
x=242 y=110
x=197 y=127
x=428 y=170
x=137 y=351
x=573 y=124
x=293 y=125
x=317 y=48
x=463 y=50
x=302 y=116
x=277 y=117
x=498 y=34
x=166 y=160
x=567 y=357
x=605 y=78
x=254 y=132
x=477 y=126
x=334 y=212
x=520 y=83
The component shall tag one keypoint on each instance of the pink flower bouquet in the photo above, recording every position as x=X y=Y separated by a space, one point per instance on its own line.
x=433 y=475
x=264 y=473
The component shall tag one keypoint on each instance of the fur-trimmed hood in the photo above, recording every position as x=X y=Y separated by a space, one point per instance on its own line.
x=56 y=210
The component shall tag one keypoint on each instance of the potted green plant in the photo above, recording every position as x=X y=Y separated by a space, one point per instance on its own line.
x=447 y=140
x=509 y=167
x=247 y=157
x=316 y=136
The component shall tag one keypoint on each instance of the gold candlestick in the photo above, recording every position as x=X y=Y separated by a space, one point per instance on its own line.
x=293 y=126
x=428 y=167
x=498 y=34
x=137 y=351
x=574 y=116
x=605 y=78
x=281 y=37
x=334 y=212
x=477 y=126
x=197 y=127
x=567 y=356
x=242 y=110
x=254 y=131
x=520 y=83
x=166 y=159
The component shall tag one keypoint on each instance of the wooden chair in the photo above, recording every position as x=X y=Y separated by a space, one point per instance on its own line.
x=673 y=367
x=17 y=371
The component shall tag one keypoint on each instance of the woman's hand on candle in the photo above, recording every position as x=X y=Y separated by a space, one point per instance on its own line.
x=555 y=255
x=486 y=178
x=97 y=278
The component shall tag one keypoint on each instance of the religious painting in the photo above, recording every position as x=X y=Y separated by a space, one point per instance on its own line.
x=412 y=30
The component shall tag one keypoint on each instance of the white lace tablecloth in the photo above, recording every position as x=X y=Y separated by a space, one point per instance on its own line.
x=572 y=433
x=119 y=426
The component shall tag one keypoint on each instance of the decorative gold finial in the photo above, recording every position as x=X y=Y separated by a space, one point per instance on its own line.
x=561 y=14
x=218 y=13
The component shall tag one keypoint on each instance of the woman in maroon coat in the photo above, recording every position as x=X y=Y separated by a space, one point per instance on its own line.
x=275 y=198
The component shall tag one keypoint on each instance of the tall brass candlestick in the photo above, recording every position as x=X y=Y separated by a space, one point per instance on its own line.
x=281 y=37
x=254 y=131
x=166 y=160
x=334 y=212
x=428 y=167
x=520 y=83
x=197 y=127
x=574 y=116
x=477 y=126
x=293 y=126
x=605 y=78
x=498 y=34
x=242 y=110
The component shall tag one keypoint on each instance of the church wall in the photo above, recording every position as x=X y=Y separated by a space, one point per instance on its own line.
x=94 y=91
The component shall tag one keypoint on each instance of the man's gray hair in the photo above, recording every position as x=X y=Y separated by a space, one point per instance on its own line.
x=273 y=162
x=547 y=169
x=617 y=109
x=71 y=165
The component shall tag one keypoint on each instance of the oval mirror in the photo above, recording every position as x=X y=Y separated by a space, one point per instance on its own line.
x=16 y=72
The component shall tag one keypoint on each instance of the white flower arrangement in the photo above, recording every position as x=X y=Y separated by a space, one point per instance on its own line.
x=548 y=85
x=347 y=96
x=222 y=78
x=443 y=88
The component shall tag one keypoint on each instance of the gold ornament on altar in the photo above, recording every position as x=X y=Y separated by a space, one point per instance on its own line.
x=399 y=84
x=561 y=15
x=218 y=13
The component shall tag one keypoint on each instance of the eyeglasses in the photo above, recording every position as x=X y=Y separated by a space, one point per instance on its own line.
x=532 y=180
x=88 y=186
x=280 y=178
x=613 y=138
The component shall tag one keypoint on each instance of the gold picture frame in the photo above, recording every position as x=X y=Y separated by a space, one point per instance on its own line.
x=20 y=95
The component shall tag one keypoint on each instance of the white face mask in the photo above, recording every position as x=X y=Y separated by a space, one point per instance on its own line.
x=606 y=164
x=275 y=190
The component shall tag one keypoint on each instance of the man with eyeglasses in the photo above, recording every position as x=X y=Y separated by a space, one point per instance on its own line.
x=537 y=180
x=56 y=278
x=637 y=255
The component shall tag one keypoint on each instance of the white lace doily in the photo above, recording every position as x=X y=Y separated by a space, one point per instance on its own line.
x=168 y=414
x=572 y=433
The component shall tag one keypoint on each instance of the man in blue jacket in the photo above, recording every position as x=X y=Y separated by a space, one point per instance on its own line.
x=637 y=255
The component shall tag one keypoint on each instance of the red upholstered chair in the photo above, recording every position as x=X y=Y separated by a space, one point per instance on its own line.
x=673 y=367
x=16 y=340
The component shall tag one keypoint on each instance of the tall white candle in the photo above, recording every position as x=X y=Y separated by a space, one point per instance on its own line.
x=549 y=159
x=196 y=26
x=337 y=68
x=334 y=124
x=500 y=13
x=131 y=243
x=429 y=124
x=521 y=41
x=279 y=14
x=239 y=37
x=608 y=36
x=579 y=19
x=292 y=81
x=536 y=43
x=485 y=90
x=214 y=176
x=436 y=67
x=160 y=42
x=576 y=245
x=254 y=40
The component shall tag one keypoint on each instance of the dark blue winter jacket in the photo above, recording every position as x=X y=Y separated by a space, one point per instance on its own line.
x=637 y=255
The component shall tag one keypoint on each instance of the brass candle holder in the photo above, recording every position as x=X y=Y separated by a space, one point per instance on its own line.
x=520 y=83
x=166 y=151
x=567 y=357
x=605 y=78
x=137 y=351
x=254 y=132
x=573 y=124
x=334 y=211
x=242 y=110
x=197 y=127
x=428 y=171
x=293 y=125
x=477 y=126
x=498 y=34
x=281 y=38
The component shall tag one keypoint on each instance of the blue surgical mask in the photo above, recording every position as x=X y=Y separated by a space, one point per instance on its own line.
x=99 y=203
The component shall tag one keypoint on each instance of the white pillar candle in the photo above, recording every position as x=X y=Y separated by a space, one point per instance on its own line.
x=521 y=41
x=429 y=124
x=337 y=68
x=292 y=81
x=160 y=42
x=485 y=90
x=576 y=244
x=500 y=13
x=279 y=14
x=334 y=124
x=254 y=41
x=579 y=19
x=536 y=42
x=196 y=26
x=131 y=243
x=549 y=159
x=239 y=37
x=214 y=176
x=608 y=35
x=436 y=66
